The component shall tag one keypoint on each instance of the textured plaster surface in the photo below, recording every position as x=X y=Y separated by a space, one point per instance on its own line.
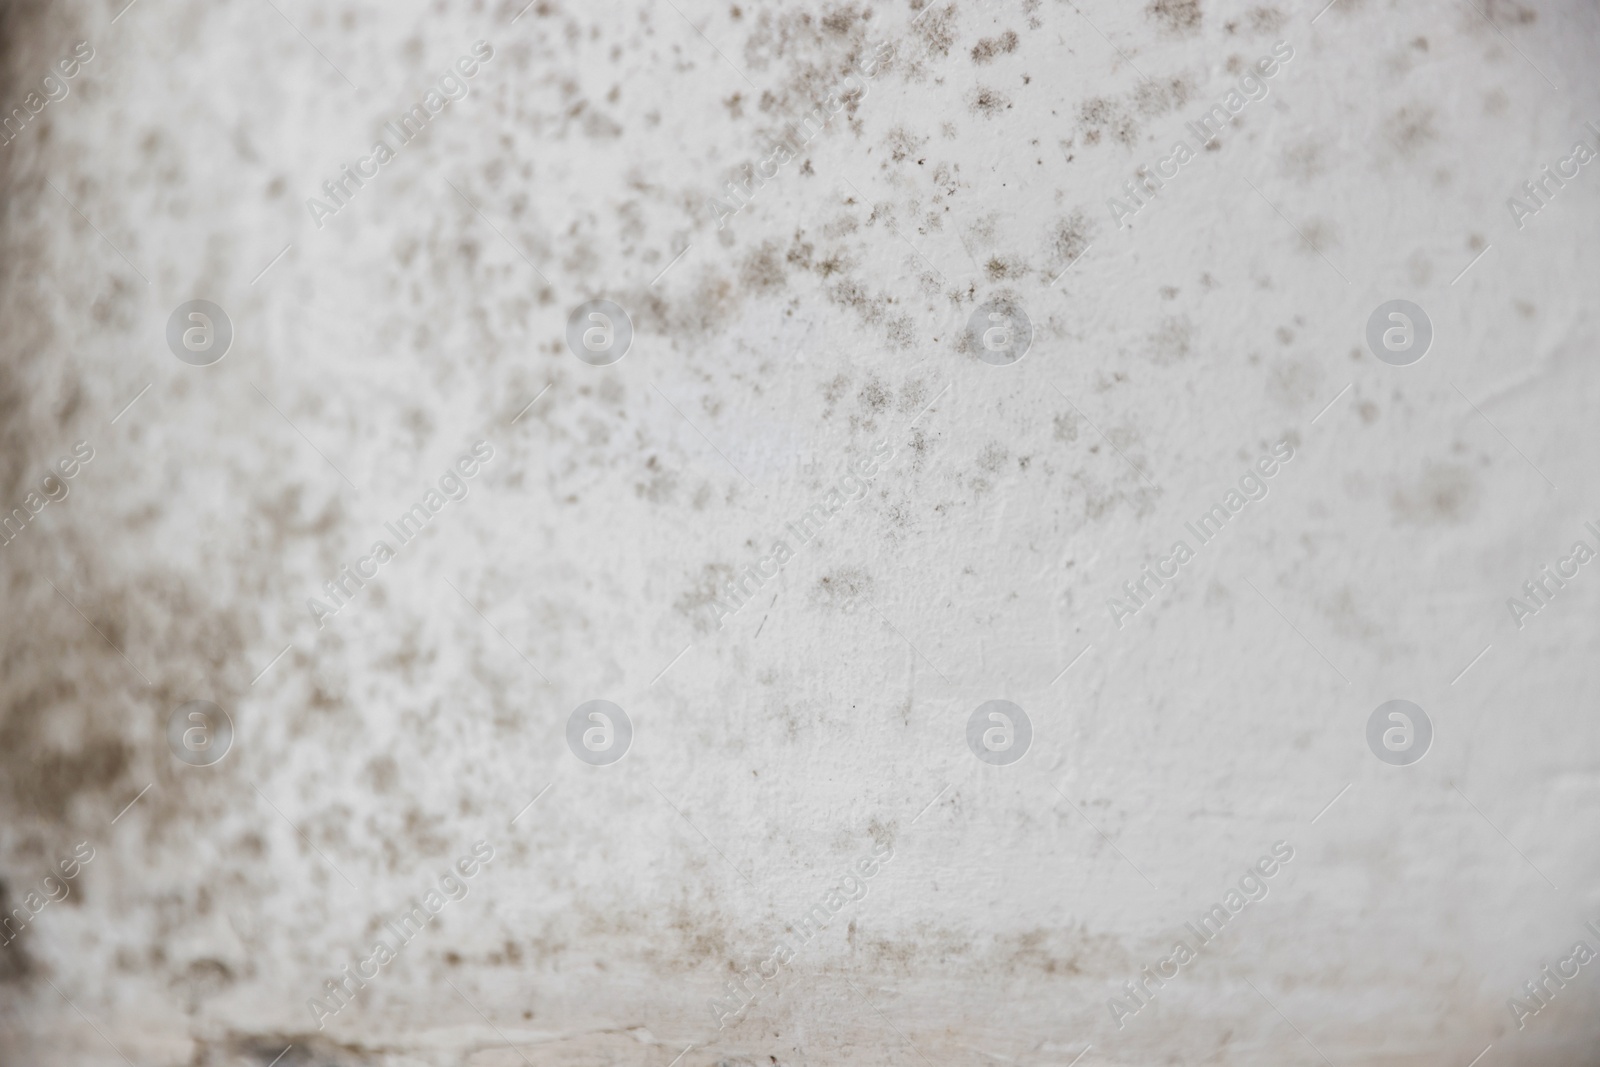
x=824 y=721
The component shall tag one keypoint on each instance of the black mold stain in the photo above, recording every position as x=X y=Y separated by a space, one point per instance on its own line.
x=1411 y=129
x=988 y=102
x=937 y=29
x=1510 y=13
x=840 y=588
x=1119 y=116
x=1175 y=16
x=988 y=48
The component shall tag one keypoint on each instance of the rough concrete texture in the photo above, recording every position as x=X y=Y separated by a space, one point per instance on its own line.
x=803 y=742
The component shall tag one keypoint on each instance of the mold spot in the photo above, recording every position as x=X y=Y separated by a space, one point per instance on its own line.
x=1510 y=13
x=1304 y=161
x=903 y=144
x=1445 y=494
x=1266 y=20
x=993 y=457
x=1098 y=114
x=1411 y=129
x=840 y=588
x=1172 y=342
x=1068 y=238
x=1293 y=383
x=763 y=269
x=937 y=30
x=987 y=49
x=1175 y=16
x=989 y=102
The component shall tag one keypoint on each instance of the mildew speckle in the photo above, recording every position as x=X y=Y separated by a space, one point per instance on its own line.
x=842 y=587
x=1444 y=494
x=1069 y=237
x=1411 y=129
x=988 y=48
x=1175 y=16
x=1172 y=342
x=792 y=335
x=1294 y=383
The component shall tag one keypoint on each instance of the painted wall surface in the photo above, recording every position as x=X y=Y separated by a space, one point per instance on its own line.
x=1193 y=378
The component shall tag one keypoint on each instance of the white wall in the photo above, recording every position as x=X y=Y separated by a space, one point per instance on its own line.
x=825 y=720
